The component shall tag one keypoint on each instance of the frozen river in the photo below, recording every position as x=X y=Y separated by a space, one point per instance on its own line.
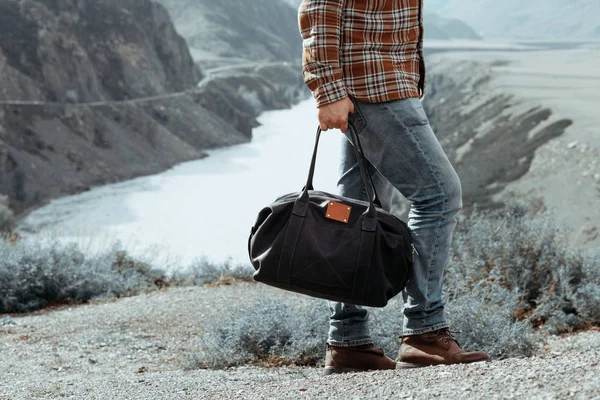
x=198 y=208
x=206 y=207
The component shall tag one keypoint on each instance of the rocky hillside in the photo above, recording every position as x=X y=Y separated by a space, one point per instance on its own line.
x=80 y=51
x=490 y=135
x=242 y=51
x=479 y=124
x=441 y=28
x=95 y=92
x=259 y=30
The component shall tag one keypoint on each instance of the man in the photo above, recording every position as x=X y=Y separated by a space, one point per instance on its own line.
x=363 y=62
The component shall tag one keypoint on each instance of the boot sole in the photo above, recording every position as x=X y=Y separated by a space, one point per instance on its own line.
x=343 y=370
x=407 y=365
x=340 y=370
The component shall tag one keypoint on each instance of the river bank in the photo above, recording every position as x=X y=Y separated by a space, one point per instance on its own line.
x=504 y=118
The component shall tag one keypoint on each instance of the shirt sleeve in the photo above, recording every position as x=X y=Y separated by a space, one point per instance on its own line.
x=320 y=26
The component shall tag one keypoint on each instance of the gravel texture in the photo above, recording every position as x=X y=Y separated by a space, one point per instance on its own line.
x=137 y=348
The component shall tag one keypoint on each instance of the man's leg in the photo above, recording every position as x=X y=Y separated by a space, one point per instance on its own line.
x=350 y=347
x=349 y=323
x=400 y=144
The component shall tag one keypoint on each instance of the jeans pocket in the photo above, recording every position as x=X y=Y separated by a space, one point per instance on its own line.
x=408 y=111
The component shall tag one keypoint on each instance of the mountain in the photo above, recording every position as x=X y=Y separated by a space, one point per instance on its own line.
x=95 y=92
x=255 y=59
x=525 y=20
x=259 y=30
x=105 y=50
x=442 y=28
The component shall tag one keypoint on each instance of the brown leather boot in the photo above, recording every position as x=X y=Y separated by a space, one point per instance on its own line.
x=356 y=359
x=434 y=348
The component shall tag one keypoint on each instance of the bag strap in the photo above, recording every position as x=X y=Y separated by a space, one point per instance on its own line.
x=376 y=197
x=366 y=177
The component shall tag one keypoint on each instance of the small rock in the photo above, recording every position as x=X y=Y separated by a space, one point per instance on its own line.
x=7 y=321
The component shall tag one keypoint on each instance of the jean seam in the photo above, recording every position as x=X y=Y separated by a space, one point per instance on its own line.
x=350 y=343
x=440 y=186
x=438 y=233
x=436 y=327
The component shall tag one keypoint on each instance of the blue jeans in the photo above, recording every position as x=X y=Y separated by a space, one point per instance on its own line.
x=402 y=152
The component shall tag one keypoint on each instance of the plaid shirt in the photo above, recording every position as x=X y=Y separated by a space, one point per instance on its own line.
x=370 y=49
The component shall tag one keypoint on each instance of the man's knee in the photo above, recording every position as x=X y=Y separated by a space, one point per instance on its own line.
x=453 y=191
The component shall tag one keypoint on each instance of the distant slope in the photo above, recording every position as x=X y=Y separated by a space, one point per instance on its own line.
x=438 y=27
x=260 y=30
x=531 y=19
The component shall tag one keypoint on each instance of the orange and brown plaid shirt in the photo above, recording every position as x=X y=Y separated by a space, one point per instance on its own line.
x=369 y=49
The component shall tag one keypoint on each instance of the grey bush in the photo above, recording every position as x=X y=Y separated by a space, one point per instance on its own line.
x=6 y=214
x=553 y=285
x=484 y=320
x=34 y=276
x=203 y=271
x=587 y=302
x=510 y=273
x=274 y=331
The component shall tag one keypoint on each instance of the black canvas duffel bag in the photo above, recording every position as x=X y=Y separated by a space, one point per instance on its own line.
x=332 y=247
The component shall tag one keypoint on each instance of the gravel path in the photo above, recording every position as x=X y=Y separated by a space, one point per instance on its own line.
x=135 y=348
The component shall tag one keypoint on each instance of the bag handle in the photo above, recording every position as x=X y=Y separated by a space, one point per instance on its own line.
x=371 y=213
x=309 y=183
x=376 y=200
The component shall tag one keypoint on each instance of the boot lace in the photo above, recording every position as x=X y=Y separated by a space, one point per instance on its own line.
x=446 y=335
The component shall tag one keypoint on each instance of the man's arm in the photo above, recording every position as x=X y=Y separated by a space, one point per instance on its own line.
x=320 y=26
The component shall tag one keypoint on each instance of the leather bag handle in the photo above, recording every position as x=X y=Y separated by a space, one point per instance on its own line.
x=309 y=183
x=301 y=205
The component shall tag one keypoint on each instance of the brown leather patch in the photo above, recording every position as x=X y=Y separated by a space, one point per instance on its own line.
x=338 y=211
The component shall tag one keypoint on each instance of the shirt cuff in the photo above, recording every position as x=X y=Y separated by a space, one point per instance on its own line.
x=330 y=92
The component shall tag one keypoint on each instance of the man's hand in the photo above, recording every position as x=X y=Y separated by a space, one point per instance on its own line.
x=335 y=115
